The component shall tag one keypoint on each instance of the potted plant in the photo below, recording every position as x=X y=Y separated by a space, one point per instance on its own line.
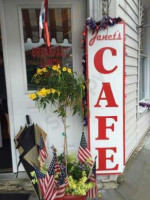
x=62 y=88
x=78 y=177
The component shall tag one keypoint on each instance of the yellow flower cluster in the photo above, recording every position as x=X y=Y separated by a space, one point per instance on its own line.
x=32 y=96
x=79 y=187
x=43 y=93
x=56 y=68
x=67 y=69
x=40 y=71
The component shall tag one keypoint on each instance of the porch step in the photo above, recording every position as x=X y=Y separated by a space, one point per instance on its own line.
x=9 y=183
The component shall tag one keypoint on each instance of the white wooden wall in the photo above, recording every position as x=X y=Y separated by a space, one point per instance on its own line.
x=136 y=124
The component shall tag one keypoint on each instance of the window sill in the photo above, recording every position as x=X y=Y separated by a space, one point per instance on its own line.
x=142 y=109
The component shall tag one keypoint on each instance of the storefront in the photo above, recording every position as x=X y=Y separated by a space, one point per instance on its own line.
x=23 y=51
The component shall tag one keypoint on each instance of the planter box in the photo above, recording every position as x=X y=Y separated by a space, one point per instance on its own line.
x=70 y=197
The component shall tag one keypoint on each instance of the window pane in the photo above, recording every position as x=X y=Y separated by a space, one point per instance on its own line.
x=37 y=54
x=142 y=79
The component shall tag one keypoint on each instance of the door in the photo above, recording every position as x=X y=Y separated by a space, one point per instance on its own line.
x=20 y=19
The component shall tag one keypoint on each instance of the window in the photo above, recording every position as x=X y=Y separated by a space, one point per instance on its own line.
x=37 y=54
x=142 y=77
x=143 y=68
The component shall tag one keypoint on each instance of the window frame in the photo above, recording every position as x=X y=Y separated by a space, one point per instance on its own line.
x=142 y=110
x=38 y=6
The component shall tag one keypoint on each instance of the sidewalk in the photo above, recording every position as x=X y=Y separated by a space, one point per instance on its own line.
x=136 y=184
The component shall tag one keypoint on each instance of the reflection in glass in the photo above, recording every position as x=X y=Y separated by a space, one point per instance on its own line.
x=37 y=54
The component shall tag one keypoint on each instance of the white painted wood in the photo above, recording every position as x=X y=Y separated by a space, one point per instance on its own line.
x=130 y=105
x=131 y=79
x=130 y=88
x=135 y=128
x=131 y=51
x=21 y=104
x=131 y=70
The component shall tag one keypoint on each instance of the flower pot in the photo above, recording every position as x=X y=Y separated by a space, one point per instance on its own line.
x=70 y=197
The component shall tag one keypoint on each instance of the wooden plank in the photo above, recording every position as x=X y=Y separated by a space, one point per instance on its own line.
x=130 y=123
x=132 y=6
x=130 y=97
x=131 y=61
x=127 y=18
x=37 y=12
x=131 y=51
x=131 y=79
x=131 y=88
x=131 y=43
x=129 y=106
x=65 y=23
x=52 y=20
x=130 y=131
x=130 y=10
x=26 y=19
x=131 y=70
x=131 y=33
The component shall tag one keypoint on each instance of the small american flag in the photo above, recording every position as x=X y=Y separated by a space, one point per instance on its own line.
x=57 y=166
x=92 y=193
x=61 y=184
x=41 y=179
x=83 y=152
x=50 y=181
x=43 y=151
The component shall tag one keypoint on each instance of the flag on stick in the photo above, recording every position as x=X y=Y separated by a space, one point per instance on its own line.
x=62 y=183
x=41 y=179
x=57 y=166
x=50 y=181
x=43 y=24
x=83 y=152
x=92 y=193
x=43 y=151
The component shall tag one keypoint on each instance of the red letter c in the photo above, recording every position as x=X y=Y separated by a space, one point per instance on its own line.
x=98 y=60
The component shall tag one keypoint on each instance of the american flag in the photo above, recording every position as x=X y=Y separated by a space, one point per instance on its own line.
x=43 y=151
x=57 y=166
x=41 y=179
x=92 y=193
x=50 y=181
x=43 y=24
x=83 y=152
x=41 y=18
x=62 y=183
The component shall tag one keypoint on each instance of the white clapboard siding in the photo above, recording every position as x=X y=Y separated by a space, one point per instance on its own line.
x=131 y=88
x=128 y=10
x=131 y=70
x=130 y=105
x=132 y=52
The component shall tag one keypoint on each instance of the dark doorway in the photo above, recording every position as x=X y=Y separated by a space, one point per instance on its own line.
x=5 y=145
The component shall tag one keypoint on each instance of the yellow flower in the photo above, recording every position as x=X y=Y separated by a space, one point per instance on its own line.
x=39 y=71
x=44 y=69
x=32 y=96
x=64 y=69
x=53 y=91
x=48 y=91
x=69 y=71
x=58 y=66
x=42 y=92
x=54 y=67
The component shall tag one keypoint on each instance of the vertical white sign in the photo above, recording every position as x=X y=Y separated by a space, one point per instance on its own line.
x=106 y=97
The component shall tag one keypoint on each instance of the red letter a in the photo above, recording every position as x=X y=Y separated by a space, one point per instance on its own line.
x=106 y=88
